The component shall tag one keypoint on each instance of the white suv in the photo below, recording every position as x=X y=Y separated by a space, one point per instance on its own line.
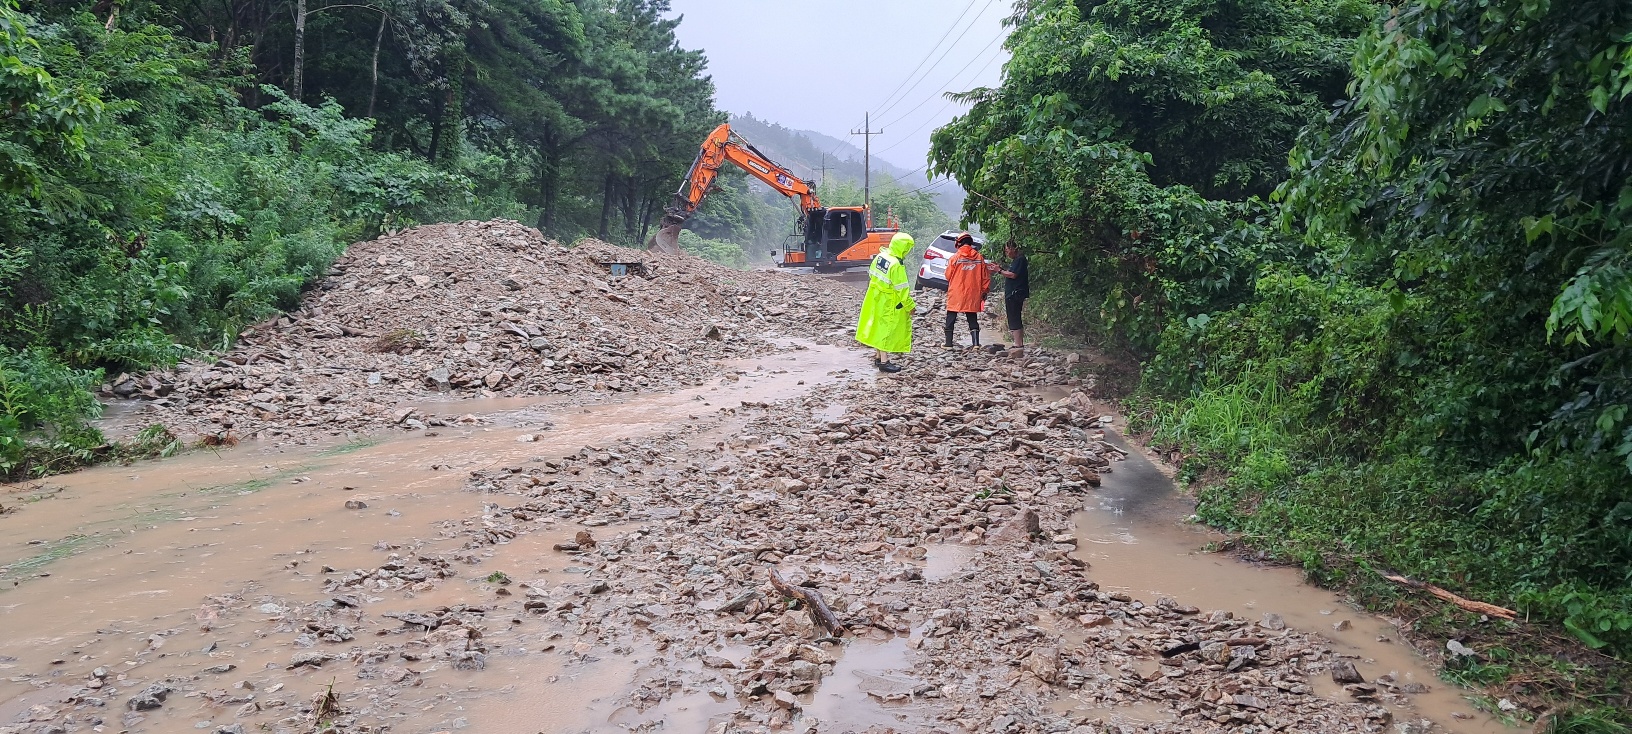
x=932 y=274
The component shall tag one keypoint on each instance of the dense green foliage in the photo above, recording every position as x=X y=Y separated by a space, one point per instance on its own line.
x=164 y=185
x=1415 y=356
x=1128 y=137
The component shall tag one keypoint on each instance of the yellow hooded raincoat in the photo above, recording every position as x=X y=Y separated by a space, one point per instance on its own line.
x=886 y=312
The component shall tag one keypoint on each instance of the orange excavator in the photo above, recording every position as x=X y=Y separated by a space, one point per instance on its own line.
x=829 y=238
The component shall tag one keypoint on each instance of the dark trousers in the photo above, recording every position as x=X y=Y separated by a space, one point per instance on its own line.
x=1013 y=303
x=952 y=321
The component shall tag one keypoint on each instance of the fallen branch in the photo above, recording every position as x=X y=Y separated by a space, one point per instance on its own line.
x=1468 y=604
x=812 y=599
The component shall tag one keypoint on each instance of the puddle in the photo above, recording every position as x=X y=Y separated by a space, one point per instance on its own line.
x=1131 y=535
x=871 y=672
x=947 y=560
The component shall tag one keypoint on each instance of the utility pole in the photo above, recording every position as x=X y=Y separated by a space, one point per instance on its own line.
x=824 y=169
x=867 y=132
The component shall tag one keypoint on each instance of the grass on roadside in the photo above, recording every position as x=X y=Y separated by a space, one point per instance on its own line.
x=51 y=552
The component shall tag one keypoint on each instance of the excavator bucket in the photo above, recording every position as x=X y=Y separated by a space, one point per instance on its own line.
x=666 y=240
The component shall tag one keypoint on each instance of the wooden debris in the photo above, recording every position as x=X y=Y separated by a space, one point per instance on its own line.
x=812 y=599
x=1468 y=604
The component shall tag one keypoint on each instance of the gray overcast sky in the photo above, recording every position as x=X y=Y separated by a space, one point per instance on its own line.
x=820 y=64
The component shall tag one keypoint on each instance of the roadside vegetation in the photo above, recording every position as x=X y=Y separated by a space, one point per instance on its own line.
x=172 y=172
x=1375 y=261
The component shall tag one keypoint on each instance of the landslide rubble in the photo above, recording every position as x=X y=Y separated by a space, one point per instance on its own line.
x=856 y=506
x=928 y=511
x=481 y=309
x=932 y=519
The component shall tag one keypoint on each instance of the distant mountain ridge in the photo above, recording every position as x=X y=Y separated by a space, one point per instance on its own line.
x=807 y=151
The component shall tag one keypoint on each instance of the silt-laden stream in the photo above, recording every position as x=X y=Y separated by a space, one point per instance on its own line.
x=1134 y=534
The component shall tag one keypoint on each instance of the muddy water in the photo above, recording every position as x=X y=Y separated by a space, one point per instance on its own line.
x=1133 y=535
x=93 y=564
x=124 y=552
x=870 y=686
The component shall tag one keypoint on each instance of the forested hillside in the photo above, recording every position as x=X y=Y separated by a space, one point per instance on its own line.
x=1374 y=258
x=172 y=171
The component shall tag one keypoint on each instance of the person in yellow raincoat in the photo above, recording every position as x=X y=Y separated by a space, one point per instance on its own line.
x=886 y=312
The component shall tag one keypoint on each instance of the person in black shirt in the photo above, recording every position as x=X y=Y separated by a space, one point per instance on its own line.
x=1016 y=289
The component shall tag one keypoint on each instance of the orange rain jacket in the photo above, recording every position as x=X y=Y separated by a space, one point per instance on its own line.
x=967 y=281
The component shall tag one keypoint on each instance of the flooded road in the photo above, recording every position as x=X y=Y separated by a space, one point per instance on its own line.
x=1135 y=535
x=107 y=567
x=203 y=572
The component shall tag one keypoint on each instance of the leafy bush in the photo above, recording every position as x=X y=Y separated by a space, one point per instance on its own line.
x=729 y=254
x=1316 y=401
x=44 y=405
x=169 y=217
x=1415 y=355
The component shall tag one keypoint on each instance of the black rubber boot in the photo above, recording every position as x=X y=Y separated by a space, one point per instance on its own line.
x=974 y=337
x=949 y=342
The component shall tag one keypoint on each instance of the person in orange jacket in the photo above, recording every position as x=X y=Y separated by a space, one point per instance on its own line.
x=968 y=280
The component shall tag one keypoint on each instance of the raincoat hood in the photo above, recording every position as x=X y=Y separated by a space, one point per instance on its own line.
x=901 y=244
x=885 y=323
x=968 y=251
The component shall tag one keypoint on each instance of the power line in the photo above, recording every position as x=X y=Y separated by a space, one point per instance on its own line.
x=930 y=53
x=944 y=53
x=915 y=170
x=888 y=103
x=952 y=82
x=934 y=117
x=943 y=56
x=934 y=184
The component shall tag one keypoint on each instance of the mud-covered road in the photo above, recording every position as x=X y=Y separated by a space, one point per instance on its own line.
x=994 y=557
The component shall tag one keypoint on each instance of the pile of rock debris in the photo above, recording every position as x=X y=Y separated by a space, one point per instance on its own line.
x=481 y=309
x=909 y=510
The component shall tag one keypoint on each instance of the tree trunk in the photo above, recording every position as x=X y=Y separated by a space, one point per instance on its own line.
x=374 y=68
x=647 y=207
x=549 y=175
x=300 y=50
x=630 y=214
x=606 y=208
x=436 y=130
x=452 y=111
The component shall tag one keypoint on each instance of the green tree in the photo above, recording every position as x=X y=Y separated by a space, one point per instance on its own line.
x=166 y=222
x=1128 y=138
x=1416 y=355
x=44 y=128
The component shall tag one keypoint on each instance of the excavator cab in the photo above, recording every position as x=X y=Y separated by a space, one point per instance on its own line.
x=829 y=232
x=835 y=239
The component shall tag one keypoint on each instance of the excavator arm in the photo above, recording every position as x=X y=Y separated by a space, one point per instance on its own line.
x=725 y=146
